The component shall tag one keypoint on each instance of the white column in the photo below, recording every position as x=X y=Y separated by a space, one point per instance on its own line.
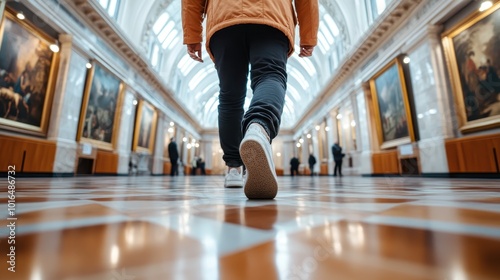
x=65 y=159
x=60 y=89
x=315 y=152
x=331 y=137
x=288 y=152
x=125 y=133
x=364 y=136
x=207 y=147
x=305 y=152
x=183 y=146
x=159 y=146
x=435 y=116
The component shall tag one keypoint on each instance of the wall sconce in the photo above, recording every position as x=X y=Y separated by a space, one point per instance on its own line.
x=485 y=6
x=55 y=47
x=406 y=59
x=20 y=15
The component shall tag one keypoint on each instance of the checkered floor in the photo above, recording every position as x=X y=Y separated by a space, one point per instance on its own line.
x=193 y=228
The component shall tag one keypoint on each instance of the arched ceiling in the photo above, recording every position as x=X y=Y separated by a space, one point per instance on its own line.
x=196 y=84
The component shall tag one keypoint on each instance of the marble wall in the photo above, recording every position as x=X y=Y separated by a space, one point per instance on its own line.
x=70 y=104
x=364 y=158
x=428 y=111
x=126 y=131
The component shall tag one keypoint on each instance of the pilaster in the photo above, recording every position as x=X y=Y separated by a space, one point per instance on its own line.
x=159 y=146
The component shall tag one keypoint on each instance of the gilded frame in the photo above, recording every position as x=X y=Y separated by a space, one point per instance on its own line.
x=140 y=123
x=117 y=112
x=472 y=101
x=14 y=125
x=386 y=144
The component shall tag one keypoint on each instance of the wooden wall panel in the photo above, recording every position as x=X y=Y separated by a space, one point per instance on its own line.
x=167 y=166
x=385 y=162
x=40 y=157
x=39 y=154
x=106 y=163
x=479 y=156
x=453 y=155
x=11 y=153
x=474 y=154
x=323 y=169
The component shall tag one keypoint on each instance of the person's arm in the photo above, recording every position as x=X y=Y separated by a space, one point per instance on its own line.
x=192 y=26
x=308 y=19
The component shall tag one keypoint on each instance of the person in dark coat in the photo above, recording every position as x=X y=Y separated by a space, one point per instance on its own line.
x=312 y=162
x=174 y=157
x=294 y=166
x=337 y=157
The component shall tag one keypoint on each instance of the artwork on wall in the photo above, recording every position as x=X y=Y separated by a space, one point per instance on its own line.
x=145 y=128
x=28 y=69
x=99 y=117
x=391 y=106
x=472 y=51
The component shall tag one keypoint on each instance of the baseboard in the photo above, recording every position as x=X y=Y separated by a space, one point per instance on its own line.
x=39 y=175
x=442 y=175
x=382 y=175
x=110 y=174
x=463 y=175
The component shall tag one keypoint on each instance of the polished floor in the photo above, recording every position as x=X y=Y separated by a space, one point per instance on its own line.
x=192 y=228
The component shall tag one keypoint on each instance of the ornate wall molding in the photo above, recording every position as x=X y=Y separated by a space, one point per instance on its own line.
x=96 y=18
x=369 y=44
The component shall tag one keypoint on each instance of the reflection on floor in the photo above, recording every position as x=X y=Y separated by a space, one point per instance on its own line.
x=192 y=228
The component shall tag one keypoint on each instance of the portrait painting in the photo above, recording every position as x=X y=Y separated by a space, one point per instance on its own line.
x=391 y=106
x=145 y=127
x=472 y=50
x=27 y=70
x=102 y=98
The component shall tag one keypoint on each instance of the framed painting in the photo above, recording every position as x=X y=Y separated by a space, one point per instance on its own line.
x=28 y=69
x=392 y=107
x=99 y=116
x=145 y=128
x=472 y=52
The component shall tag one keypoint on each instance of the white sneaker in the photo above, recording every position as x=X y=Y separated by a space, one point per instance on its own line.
x=234 y=179
x=257 y=155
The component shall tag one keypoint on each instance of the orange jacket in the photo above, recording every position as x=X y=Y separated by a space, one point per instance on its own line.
x=279 y=14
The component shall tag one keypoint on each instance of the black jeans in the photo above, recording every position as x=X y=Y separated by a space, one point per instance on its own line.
x=174 y=170
x=338 y=166
x=265 y=49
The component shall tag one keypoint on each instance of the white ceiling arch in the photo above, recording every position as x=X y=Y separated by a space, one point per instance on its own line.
x=195 y=84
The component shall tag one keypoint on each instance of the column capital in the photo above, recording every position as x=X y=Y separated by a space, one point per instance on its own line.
x=435 y=29
x=65 y=38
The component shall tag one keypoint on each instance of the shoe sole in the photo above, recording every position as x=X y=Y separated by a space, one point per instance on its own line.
x=234 y=185
x=261 y=183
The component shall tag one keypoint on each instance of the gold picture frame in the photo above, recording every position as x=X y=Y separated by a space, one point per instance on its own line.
x=28 y=73
x=145 y=128
x=101 y=108
x=473 y=60
x=391 y=106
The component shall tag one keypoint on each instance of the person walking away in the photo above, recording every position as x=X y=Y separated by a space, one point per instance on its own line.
x=174 y=157
x=294 y=166
x=337 y=157
x=312 y=162
x=259 y=33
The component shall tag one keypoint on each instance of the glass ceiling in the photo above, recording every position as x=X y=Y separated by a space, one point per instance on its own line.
x=196 y=84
